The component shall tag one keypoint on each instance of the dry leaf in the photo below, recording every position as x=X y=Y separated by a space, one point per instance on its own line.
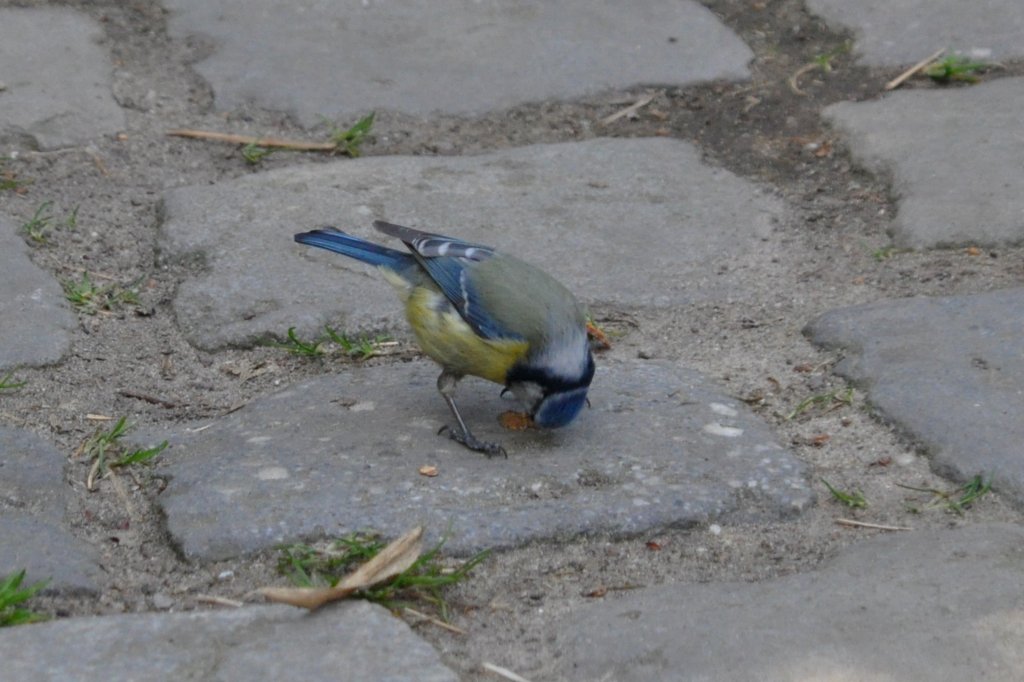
x=428 y=470
x=597 y=338
x=392 y=560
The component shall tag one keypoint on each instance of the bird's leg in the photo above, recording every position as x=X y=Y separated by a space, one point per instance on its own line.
x=446 y=384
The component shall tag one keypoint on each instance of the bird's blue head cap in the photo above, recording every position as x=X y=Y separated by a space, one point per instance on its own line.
x=558 y=409
x=561 y=404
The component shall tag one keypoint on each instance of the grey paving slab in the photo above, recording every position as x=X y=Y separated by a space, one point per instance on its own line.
x=449 y=56
x=341 y=453
x=37 y=322
x=33 y=535
x=929 y=605
x=351 y=641
x=954 y=158
x=637 y=222
x=950 y=371
x=57 y=78
x=895 y=32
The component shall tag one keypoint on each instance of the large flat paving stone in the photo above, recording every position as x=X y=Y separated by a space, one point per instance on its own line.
x=57 y=78
x=954 y=158
x=922 y=606
x=37 y=322
x=634 y=222
x=32 y=503
x=351 y=641
x=895 y=32
x=341 y=453
x=449 y=56
x=950 y=371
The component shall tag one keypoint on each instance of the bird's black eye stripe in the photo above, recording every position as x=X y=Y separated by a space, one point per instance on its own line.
x=550 y=383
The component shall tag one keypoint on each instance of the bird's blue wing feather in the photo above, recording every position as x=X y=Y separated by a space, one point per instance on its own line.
x=455 y=278
x=450 y=263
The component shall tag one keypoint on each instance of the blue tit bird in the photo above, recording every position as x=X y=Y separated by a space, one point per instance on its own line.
x=476 y=311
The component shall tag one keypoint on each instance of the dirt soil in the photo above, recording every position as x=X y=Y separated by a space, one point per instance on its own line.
x=765 y=130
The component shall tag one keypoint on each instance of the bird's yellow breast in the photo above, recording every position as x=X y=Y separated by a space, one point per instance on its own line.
x=452 y=343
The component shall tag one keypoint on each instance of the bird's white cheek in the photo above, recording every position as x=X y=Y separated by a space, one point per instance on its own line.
x=527 y=393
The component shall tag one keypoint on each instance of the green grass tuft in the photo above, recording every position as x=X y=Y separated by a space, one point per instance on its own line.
x=7 y=385
x=105 y=451
x=253 y=153
x=361 y=347
x=38 y=225
x=957 y=500
x=90 y=298
x=349 y=141
x=830 y=400
x=955 y=67
x=854 y=499
x=327 y=563
x=12 y=594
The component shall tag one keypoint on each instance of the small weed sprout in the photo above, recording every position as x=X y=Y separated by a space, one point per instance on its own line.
x=253 y=153
x=830 y=400
x=854 y=499
x=90 y=298
x=71 y=222
x=885 y=253
x=37 y=225
x=957 y=500
x=361 y=347
x=297 y=346
x=6 y=384
x=9 y=180
x=955 y=67
x=12 y=594
x=349 y=141
x=311 y=566
x=103 y=446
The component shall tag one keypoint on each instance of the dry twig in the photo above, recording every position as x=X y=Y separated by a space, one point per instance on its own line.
x=254 y=140
x=865 y=524
x=220 y=601
x=628 y=111
x=898 y=80
x=504 y=672
x=434 y=621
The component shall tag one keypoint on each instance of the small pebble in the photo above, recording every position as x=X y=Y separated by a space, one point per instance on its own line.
x=162 y=601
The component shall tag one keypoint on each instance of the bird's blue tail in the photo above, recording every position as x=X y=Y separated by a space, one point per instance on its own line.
x=354 y=247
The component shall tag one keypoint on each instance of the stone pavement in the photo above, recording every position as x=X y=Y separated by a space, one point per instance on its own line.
x=659 y=447
x=908 y=607
x=449 y=56
x=580 y=197
x=356 y=641
x=949 y=371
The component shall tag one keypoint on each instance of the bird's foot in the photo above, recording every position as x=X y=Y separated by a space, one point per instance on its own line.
x=470 y=441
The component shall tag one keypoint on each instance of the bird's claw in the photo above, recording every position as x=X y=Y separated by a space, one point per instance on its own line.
x=470 y=441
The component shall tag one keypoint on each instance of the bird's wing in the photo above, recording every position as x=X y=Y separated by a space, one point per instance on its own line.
x=448 y=261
